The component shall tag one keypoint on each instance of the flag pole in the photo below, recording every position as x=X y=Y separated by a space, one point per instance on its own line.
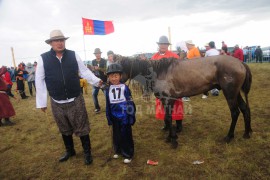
x=84 y=48
x=170 y=39
x=13 y=58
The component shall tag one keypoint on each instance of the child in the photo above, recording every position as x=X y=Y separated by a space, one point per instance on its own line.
x=120 y=112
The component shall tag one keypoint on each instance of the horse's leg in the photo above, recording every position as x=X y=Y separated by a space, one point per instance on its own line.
x=234 y=115
x=246 y=114
x=168 y=107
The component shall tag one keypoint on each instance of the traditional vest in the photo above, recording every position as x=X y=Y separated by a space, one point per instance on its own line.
x=62 y=78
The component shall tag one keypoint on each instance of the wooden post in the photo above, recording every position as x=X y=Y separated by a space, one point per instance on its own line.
x=170 y=39
x=13 y=58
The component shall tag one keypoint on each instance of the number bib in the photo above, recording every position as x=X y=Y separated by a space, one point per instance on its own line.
x=116 y=93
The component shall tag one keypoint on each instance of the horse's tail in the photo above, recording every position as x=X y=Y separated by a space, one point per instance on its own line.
x=247 y=83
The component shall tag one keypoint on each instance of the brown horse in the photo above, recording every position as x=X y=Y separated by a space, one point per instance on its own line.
x=171 y=79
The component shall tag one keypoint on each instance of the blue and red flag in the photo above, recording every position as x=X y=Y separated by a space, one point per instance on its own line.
x=97 y=27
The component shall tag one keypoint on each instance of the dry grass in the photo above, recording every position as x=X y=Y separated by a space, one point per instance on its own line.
x=30 y=149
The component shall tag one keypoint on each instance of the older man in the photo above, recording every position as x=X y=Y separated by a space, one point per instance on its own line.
x=58 y=72
x=177 y=113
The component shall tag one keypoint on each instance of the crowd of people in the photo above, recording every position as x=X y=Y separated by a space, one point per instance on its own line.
x=61 y=74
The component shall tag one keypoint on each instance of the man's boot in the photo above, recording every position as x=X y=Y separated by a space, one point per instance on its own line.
x=8 y=122
x=87 y=149
x=70 y=151
x=178 y=126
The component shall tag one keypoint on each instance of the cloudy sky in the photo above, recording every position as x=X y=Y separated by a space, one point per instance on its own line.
x=26 y=24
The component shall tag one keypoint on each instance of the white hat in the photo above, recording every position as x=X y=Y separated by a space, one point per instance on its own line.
x=190 y=42
x=56 y=35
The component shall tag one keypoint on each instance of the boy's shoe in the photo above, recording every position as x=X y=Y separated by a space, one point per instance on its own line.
x=116 y=156
x=127 y=161
x=97 y=111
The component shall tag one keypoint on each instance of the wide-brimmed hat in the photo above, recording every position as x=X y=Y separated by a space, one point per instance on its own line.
x=163 y=40
x=189 y=42
x=97 y=51
x=56 y=35
x=206 y=45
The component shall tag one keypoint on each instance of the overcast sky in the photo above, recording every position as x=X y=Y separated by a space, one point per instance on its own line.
x=26 y=24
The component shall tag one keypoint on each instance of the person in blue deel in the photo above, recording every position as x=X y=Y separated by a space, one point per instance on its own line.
x=120 y=112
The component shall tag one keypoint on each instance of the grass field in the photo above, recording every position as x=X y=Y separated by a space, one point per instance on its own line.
x=31 y=148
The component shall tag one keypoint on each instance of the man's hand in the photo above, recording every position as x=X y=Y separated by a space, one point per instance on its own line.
x=100 y=83
x=43 y=109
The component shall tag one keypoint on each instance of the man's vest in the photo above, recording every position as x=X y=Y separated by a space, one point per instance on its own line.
x=102 y=64
x=62 y=78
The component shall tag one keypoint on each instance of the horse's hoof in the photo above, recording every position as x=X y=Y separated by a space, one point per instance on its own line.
x=174 y=144
x=228 y=139
x=246 y=136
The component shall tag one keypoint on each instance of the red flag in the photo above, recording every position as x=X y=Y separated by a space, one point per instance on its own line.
x=97 y=27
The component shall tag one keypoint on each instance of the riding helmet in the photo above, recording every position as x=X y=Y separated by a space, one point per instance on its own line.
x=114 y=68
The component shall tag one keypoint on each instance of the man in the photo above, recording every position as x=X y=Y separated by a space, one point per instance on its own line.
x=20 y=78
x=211 y=51
x=31 y=77
x=177 y=113
x=99 y=66
x=238 y=53
x=58 y=70
x=258 y=54
x=193 y=52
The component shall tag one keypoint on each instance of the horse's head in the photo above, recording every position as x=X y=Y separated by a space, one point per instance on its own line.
x=131 y=66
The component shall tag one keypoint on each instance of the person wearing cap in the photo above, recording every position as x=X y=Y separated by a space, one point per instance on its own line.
x=177 y=113
x=211 y=51
x=238 y=53
x=6 y=108
x=120 y=113
x=20 y=75
x=31 y=77
x=110 y=55
x=57 y=72
x=99 y=66
x=193 y=52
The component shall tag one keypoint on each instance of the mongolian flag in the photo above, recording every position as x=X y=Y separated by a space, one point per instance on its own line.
x=96 y=27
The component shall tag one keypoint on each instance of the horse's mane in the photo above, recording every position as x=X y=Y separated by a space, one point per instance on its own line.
x=162 y=65
x=142 y=66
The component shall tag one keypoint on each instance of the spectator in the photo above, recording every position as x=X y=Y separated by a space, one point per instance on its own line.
x=7 y=79
x=177 y=113
x=20 y=74
x=99 y=66
x=211 y=51
x=193 y=52
x=238 y=53
x=258 y=54
x=31 y=77
x=58 y=70
x=6 y=108
x=224 y=47
x=245 y=52
x=110 y=55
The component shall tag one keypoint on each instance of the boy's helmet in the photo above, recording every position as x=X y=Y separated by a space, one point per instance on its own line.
x=114 y=68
